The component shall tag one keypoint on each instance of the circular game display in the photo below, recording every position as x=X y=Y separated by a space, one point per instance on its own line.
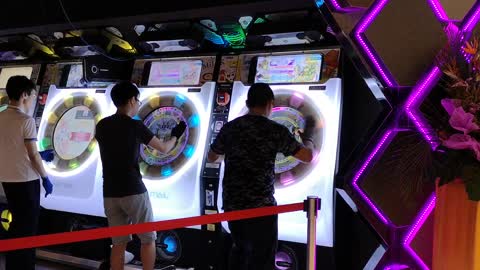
x=70 y=131
x=74 y=132
x=161 y=122
x=294 y=121
x=290 y=109
x=161 y=113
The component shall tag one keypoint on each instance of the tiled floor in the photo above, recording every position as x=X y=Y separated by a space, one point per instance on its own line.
x=43 y=265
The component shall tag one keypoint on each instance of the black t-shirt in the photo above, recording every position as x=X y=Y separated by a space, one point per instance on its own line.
x=119 y=138
x=250 y=144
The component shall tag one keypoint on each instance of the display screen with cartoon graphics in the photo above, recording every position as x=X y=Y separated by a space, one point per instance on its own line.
x=161 y=115
x=7 y=72
x=175 y=73
x=301 y=68
x=75 y=76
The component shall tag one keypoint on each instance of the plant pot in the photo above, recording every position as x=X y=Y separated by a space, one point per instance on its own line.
x=456 y=243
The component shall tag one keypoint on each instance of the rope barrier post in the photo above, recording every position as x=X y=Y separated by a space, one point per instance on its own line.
x=311 y=206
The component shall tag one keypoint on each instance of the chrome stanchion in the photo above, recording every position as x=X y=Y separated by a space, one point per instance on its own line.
x=311 y=206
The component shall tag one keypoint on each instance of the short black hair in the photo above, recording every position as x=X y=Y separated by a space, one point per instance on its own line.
x=18 y=85
x=122 y=92
x=259 y=95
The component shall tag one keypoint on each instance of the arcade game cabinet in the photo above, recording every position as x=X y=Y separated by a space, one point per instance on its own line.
x=172 y=90
x=74 y=104
x=304 y=83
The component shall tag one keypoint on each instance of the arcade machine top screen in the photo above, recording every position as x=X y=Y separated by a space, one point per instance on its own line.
x=75 y=75
x=301 y=68
x=166 y=73
x=5 y=74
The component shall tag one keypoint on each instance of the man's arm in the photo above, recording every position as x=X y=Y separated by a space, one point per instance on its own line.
x=35 y=158
x=162 y=146
x=305 y=153
x=217 y=148
x=214 y=157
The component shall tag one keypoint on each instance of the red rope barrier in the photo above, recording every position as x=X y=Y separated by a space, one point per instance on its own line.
x=93 y=234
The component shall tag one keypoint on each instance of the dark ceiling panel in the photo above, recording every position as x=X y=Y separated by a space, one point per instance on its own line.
x=23 y=14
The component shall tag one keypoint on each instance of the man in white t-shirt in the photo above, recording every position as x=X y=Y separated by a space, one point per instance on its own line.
x=21 y=168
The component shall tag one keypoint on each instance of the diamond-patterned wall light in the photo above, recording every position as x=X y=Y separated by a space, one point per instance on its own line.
x=380 y=63
x=386 y=34
x=412 y=111
x=453 y=10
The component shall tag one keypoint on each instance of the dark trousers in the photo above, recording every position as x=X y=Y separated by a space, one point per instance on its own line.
x=24 y=204
x=254 y=243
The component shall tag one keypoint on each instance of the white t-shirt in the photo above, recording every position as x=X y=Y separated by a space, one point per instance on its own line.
x=16 y=127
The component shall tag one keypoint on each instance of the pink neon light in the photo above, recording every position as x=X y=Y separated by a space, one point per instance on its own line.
x=438 y=9
x=359 y=36
x=419 y=93
x=472 y=21
x=382 y=217
x=419 y=221
x=336 y=7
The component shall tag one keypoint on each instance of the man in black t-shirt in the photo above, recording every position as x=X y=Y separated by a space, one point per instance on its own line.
x=250 y=144
x=126 y=199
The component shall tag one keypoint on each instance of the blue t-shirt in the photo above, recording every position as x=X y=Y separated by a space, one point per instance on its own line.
x=250 y=144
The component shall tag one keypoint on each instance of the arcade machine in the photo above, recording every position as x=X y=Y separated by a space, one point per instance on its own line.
x=305 y=84
x=75 y=102
x=174 y=90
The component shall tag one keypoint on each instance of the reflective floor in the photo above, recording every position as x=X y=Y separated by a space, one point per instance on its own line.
x=43 y=265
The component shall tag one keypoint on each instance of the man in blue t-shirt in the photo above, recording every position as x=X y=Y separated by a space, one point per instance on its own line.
x=250 y=144
x=126 y=199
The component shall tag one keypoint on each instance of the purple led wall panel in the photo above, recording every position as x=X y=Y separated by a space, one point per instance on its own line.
x=438 y=10
x=419 y=221
x=469 y=23
x=411 y=107
x=396 y=267
x=368 y=50
x=419 y=93
x=336 y=7
x=364 y=196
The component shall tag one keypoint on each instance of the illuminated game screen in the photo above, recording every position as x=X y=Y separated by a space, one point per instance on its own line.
x=161 y=115
x=74 y=132
x=75 y=76
x=175 y=73
x=304 y=68
x=161 y=122
x=6 y=73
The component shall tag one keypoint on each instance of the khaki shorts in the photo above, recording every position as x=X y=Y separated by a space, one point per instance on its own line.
x=134 y=209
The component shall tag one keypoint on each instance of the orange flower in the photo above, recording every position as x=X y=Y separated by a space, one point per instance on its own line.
x=471 y=47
